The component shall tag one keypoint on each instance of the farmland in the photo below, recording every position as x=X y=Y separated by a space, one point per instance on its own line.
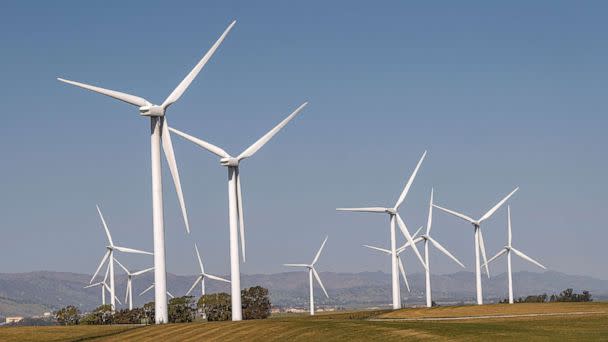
x=534 y=322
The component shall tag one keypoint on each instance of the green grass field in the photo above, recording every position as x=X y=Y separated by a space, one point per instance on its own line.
x=567 y=322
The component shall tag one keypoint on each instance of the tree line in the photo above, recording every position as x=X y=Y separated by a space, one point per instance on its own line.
x=212 y=307
x=567 y=295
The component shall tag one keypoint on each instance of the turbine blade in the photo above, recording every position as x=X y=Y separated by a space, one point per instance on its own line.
x=183 y=85
x=130 y=99
x=404 y=247
x=402 y=269
x=378 y=249
x=199 y=278
x=105 y=227
x=319 y=280
x=498 y=205
x=314 y=261
x=142 y=271
x=105 y=277
x=364 y=210
x=251 y=150
x=444 y=251
x=201 y=143
x=296 y=265
x=416 y=233
x=170 y=156
x=482 y=246
x=118 y=300
x=409 y=182
x=410 y=239
x=429 y=221
x=510 y=238
x=131 y=250
x=103 y=260
x=523 y=256
x=121 y=266
x=501 y=252
x=462 y=216
x=200 y=260
x=239 y=197
x=147 y=289
x=170 y=295
x=92 y=285
x=211 y=276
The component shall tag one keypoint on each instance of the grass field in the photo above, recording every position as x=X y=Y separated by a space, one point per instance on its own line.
x=590 y=323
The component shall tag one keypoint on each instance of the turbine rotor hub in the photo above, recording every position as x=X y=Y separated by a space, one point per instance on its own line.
x=391 y=211
x=229 y=161
x=151 y=110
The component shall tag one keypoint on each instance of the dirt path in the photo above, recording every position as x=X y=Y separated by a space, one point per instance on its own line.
x=484 y=317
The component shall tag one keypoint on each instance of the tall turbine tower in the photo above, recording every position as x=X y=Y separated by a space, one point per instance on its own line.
x=313 y=272
x=235 y=202
x=399 y=251
x=160 y=135
x=508 y=249
x=130 y=275
x=394 y=215
x=427 y=238
x=479 y=245
x=109 y=255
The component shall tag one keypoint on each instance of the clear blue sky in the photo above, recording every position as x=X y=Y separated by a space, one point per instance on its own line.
x=500 y=95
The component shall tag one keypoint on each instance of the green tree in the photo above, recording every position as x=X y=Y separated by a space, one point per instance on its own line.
x=70 y=315
x=126 y=316
x=149 y=312
x=216 y=306
x=101 y=315
x=256 y=303
x=181 y=309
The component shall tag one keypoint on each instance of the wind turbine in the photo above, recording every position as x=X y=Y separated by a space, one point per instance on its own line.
x=235 y=201
x=399 y=251
x=479 y=244
x=109 y=255
x=202 y=276
x=427 y=238
x=508 y=249
x=159 y=133
x=151 y=287
x=102 y=285
x=129 y=293
x=313 y=272
x=394 y=215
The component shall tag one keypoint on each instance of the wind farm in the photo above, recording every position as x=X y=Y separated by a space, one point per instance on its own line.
x=484 y=129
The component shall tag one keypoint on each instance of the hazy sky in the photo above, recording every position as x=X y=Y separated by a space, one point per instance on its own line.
x=501 y=95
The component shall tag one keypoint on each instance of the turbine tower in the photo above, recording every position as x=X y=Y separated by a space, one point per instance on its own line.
x=235 y=201
x=394 y=216
x=313 y=272
x=202 y=276
x=427 y=238
x=508 y=249
x=129 y=293
x=479 y=244
x=399 y=251
x=160 y=135
x=109 y=255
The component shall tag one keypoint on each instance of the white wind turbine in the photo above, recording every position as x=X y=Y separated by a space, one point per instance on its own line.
x=399 y=251
x=235 y=201
x=109 y=255
x=159 y=134
x=130 y=275
x=103 y=285
x=508 y=249
x=151 y=287
x=394 y=215
x=427 y=238
x=313 y=272
x=479 y=244
x=202 y=276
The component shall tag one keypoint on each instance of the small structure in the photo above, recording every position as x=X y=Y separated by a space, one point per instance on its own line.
x=14 y=319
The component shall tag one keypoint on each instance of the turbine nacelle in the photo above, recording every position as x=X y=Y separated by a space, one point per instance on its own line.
x=391 y=211
x=229 y=161
x=151 y=110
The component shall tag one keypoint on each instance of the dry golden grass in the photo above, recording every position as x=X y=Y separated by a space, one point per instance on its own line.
x=59 y=333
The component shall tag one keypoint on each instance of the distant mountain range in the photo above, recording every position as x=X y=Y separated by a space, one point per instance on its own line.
x=33 y=293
